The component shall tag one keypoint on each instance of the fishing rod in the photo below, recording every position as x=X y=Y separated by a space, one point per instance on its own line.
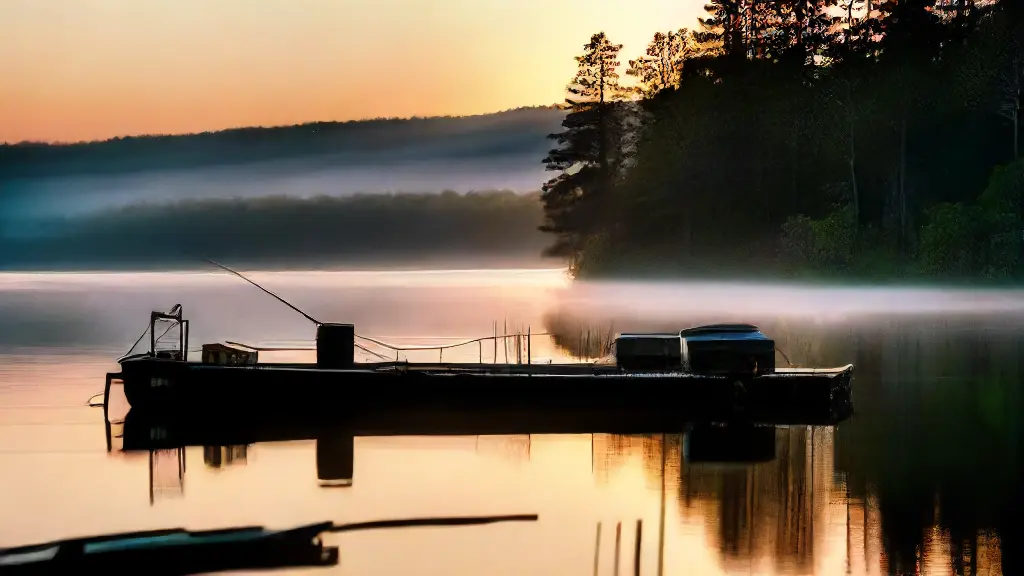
x=432 y=521
x=280 y=299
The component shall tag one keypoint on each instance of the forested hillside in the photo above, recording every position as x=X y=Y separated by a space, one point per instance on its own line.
x=353 y=142
x=873 y=139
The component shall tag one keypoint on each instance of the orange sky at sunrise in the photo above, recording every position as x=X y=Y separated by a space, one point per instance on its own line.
x=90 y=69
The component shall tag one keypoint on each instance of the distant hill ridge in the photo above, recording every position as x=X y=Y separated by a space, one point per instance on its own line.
x=517 y=132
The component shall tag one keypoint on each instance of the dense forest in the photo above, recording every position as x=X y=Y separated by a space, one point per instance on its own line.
x=482 y=229
x=851 y=138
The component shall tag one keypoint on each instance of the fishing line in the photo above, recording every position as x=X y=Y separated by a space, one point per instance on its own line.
x=280 y=299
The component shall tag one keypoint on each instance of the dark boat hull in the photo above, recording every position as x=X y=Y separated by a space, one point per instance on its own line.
x=266 y=395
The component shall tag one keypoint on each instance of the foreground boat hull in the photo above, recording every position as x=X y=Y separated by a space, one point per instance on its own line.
x=272 y=394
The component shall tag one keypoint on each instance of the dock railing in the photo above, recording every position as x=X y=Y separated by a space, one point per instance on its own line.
x=521 y=344
x=518 y=346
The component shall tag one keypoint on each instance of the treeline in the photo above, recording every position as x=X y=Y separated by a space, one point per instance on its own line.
x=480 y=228
x=869 y=138
x=514 y=131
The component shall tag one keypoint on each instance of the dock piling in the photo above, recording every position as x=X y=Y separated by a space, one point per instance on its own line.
x=618 y=545
x=636 y=547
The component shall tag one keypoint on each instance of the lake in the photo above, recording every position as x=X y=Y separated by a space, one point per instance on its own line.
x=923 y=478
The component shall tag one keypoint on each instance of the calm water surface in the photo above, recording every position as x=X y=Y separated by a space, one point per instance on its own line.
x=924 y=478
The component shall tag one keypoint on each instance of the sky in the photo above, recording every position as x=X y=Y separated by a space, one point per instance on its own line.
x=76 y=70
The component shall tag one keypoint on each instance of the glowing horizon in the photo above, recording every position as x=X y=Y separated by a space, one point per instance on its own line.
x=82 y=70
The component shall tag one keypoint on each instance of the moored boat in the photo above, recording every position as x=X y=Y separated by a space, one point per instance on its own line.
x=717 y=373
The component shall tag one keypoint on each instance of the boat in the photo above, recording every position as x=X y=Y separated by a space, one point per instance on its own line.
x=711 y=376
x=178 y=552
x=714 y=373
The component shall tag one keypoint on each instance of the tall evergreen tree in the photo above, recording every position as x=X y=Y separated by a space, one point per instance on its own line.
x=725 y=25
x=661 y=66
x=589 y=149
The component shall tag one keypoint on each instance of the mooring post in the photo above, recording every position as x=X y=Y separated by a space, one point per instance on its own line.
x=106 y=430
x=661 y=518
x=106 y=411
x=618 y=545
x=636 y=547
x=106 y=399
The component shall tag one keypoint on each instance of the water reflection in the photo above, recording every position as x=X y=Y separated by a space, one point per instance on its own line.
x=225 y=456
x=334 y=461
x=793 y=512
x=334 y=454
x=787 y=499
x=759 y=492
x=166 y=474
x=926 y=474
x=923 y=478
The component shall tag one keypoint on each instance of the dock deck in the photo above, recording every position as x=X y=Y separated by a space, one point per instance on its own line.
x=306 y=392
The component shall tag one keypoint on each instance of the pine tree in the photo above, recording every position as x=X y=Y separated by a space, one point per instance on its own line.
x=725 y=26
x=589 y=153
x=854 y=14
x=911 y=26
x=662 y=65
x=810 y=29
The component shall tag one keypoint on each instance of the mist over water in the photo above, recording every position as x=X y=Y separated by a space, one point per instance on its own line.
x=488 y=152
x=643 y=301
x=26 y=202
x=925 y=472
x=325 y=195
x=463 y=302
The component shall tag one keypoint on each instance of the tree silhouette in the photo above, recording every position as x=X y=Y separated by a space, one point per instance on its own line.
x=661 y=66
x=590 y=148
x=724 y=25
x=853 y=137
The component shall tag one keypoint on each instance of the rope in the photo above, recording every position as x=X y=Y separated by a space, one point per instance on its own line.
x=445 y=346
x=371 y=352
x=175 y=308
x=387 y=345
x=143 y=335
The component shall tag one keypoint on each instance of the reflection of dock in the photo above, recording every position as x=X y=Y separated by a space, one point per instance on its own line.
x=767 y=508
x=760 y=494
x=512 y=447
x=335 y=458
x=221 y=456
x=334 y=463
x=166 y=474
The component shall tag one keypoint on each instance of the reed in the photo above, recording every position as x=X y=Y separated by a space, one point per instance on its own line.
x=579 y=339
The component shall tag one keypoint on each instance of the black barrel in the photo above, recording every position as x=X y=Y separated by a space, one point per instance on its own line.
x=335 y=345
